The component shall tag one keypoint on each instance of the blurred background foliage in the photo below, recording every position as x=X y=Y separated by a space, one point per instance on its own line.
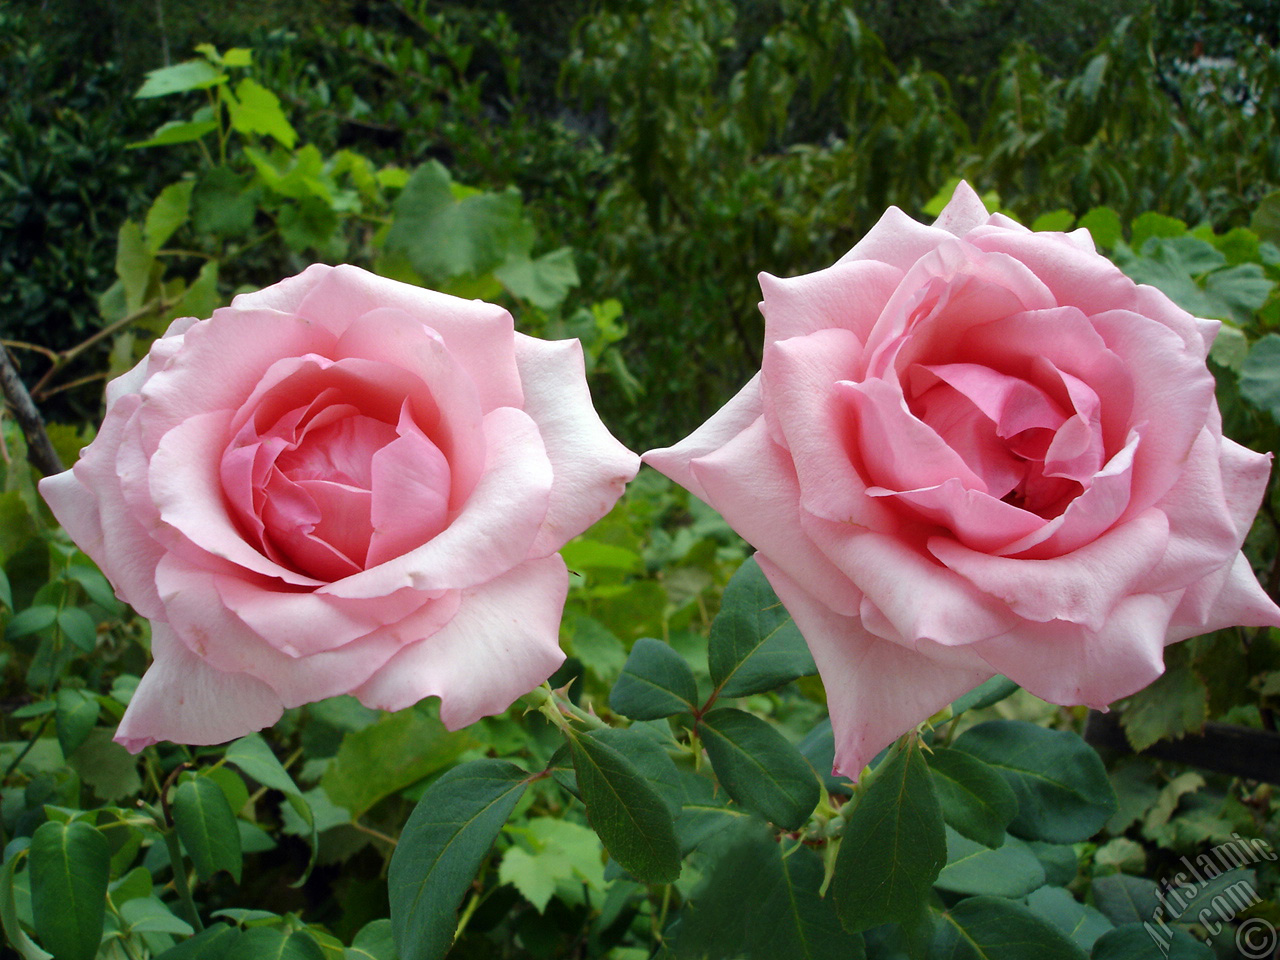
x=678 y=146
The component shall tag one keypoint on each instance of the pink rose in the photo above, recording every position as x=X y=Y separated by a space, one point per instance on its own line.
x=974 y=449
x=341 y=484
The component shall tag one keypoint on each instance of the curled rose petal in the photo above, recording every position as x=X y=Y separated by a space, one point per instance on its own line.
x=974 y=449
x=341 y=484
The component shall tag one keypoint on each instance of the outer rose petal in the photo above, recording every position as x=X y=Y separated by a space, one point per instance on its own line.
x=589 y=467
x=502 y=643
x=182 y=698
x=876 y=690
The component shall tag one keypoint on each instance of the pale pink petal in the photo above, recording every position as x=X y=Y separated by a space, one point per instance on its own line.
x=726 y=423
x=1070 y=664
x=1168 y=377
x=752 y=482
x=806 y=415
x=183 y=699
x=963 y=212
x=495 y=530
x=480 y=335
x=1082 y=587
x=798 y=306
x=410 y=500
x=876 y=690
x=502 y=643
x=590 y=467
x=186 y=487
x=214 y=371
x=978 y=520
x=204 y=624
x=285 y=296
x=921 y=598
x=897 y=240
x=1227 y=598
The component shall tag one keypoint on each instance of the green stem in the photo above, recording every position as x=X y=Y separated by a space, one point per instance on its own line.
x=30 y=743
x=180 y=883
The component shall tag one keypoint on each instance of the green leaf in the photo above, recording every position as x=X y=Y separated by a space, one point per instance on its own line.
x=134 y=265
x=375 y=941
x=307 y=224
x=990 y=928
x=29 y=621
x=389 y=755
x=555 y=851
x=70 y=868
x=1103 y=224
x=655 y=682
x=1061 y=786
x=170 y=211
x=207 y=827
x=1082 y=924
x=177 y=131
x=18 y=938
x=894 y=845
x=599 y=649
x=754 y=646
x=152 y=915
x=646 y=747
x=269 y=943
x=252 y=755
x=188 y=75
x=1157 y=225
x=1176 y=704
x=1151 y=941
x=1125 y=899
x=1266 y=219
x=78 y=627
x=1010 y=871
x=544 y=282
x=212 y=943
x=107 y=768
x=446 y=237
x=1260 y=375
x=1058 y=220
x=759 y=767
x=255 y=109
x=77 y=715
x=760 y=902
x=633 y=821
x=447 y=836
x=973 y=797
x=223 y=203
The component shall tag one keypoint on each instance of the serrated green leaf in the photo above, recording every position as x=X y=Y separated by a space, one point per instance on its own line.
x=975 y=869
x=223 y=203
x=544 y=281
x=1061 y=786
x=760 y=902
x=1157 y=225
x=77 y=715
x=1260 y=375
x=975 y=800
x=1125 y=899
x=759 y=767
x=646 y=747
x=1176 y=704
x=991 y=928
x=70 y=869
x=169 y=211
x=447 y=836
x=1058 y=220
x=389 y=755
x=179 y=78
x=555 y=851
x=754 y=646
x=894 y=845
x=655 y=682
x=1081 y=924
x=256 y=109
x=599 y=649
x=207 y=827
x=105 y=766
x=1104 y=226
x=632 y=820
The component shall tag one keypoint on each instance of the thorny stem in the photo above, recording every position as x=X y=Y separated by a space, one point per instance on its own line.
x=39 y=447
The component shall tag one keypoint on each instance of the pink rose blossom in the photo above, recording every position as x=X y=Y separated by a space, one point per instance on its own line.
x=341 y=484
x=974 y=449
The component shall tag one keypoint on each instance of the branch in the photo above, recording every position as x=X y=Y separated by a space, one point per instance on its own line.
x=39 y=448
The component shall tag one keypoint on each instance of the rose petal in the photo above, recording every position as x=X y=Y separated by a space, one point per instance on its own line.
x=410 y=499
x=1230 y=597
x=589 y=467
x=1082 y=587
x=180 y=698
x=798 y=306
x=876 y=690
x=726 y=423
x=502 y=643
x=963 y=212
